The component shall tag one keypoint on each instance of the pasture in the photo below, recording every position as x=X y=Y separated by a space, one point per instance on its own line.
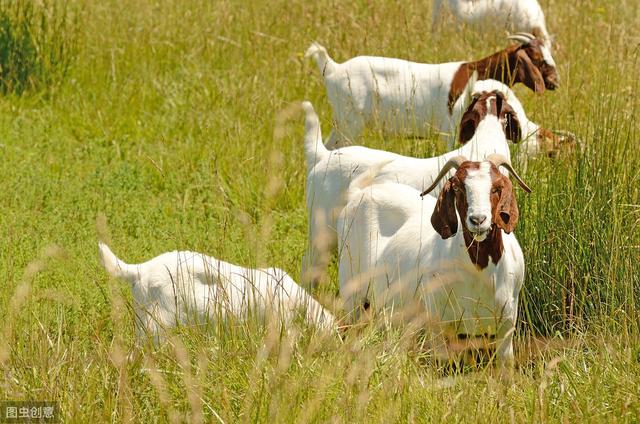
x=177 y=126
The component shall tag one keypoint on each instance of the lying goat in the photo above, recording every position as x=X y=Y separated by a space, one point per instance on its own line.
x=407 y=97
x=180 y=287
x=516 y=15
x=487 y=125
x=463 y=275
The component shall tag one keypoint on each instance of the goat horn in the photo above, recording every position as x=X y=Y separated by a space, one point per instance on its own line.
x=526 y=34
x=521 y=37
x=454 y=162
x=499 y=160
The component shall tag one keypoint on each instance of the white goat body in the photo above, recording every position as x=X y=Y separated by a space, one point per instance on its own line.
x=402 y=96
x=180 y=287
x=329 y=173
x=513 y=15
x=405 y=97
x=391 y=257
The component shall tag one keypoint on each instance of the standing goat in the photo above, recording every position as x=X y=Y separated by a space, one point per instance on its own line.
x=180 y=287
x=488 y=124
x=463 y=274
x=513 y=15
x=407 y=97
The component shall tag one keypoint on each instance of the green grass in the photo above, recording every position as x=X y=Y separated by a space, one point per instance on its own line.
x=37 y=44
x=174 y=122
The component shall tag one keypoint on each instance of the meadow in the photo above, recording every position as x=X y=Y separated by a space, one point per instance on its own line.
x=176 y=125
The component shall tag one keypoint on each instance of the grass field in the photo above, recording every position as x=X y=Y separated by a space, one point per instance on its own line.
x=176 y=127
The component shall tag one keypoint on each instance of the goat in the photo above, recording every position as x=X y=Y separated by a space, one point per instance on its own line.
x=178 y=287
x=516 y=15
x=407 y=97
x=488 y=124
x=465 y=282
x=536 y=140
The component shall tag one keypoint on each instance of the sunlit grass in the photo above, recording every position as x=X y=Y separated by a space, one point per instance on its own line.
x=170 y=122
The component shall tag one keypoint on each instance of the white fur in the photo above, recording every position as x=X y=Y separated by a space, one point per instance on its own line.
x=402 y=97
x=391 y=257
x=182 y=287
x=513 y=15
x=329 y=173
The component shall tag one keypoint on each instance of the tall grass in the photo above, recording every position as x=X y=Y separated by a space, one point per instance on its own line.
x=37 y=44
x=169 y=123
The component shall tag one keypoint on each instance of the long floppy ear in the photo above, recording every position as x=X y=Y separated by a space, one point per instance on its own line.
x=528 y=73
x=469 y=123
x=509 y=118
x=444 y=218
x=507 y=214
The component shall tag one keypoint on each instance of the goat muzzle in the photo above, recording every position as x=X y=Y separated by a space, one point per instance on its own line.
x=552 y=82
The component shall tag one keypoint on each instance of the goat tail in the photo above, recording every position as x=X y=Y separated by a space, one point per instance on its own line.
x=320 y=55
x=314 y=149
x=114 y=266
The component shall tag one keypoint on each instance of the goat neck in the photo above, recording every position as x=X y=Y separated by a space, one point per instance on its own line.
x=496 y=66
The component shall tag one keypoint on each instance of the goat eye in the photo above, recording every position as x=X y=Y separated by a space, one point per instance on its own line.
x=496 y=190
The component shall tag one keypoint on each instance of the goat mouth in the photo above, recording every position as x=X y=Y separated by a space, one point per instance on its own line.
x=479 y=235
x=551 y=85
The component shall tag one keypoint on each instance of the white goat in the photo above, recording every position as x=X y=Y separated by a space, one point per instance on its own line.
x=329 y=172
x=463 y=271
x=408 y=98
x=513 y=15
x=180 y=287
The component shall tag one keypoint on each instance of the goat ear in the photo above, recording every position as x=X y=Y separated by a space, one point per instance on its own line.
x=507 y=214
x=444 y=218
x=509 y=119
x=468 y=125
x=529 y=74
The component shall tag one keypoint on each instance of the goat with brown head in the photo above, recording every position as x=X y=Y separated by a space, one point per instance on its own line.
x=529 y=62
x=490 y=103
x=533 y=64
x=484 y=200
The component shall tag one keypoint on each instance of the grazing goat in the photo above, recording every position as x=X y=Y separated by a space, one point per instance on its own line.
x=180 y=287
x=407 y=97
x=513 y=15
x=462 y=274
x=487 y=125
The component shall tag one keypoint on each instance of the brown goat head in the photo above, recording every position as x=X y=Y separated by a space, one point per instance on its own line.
x=534 y=66
x=490 y=103
x=484 y=200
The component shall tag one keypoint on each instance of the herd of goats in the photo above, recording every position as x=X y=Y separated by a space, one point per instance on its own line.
x=430 y=241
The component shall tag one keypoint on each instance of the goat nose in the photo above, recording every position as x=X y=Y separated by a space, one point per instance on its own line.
x=477 y=219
